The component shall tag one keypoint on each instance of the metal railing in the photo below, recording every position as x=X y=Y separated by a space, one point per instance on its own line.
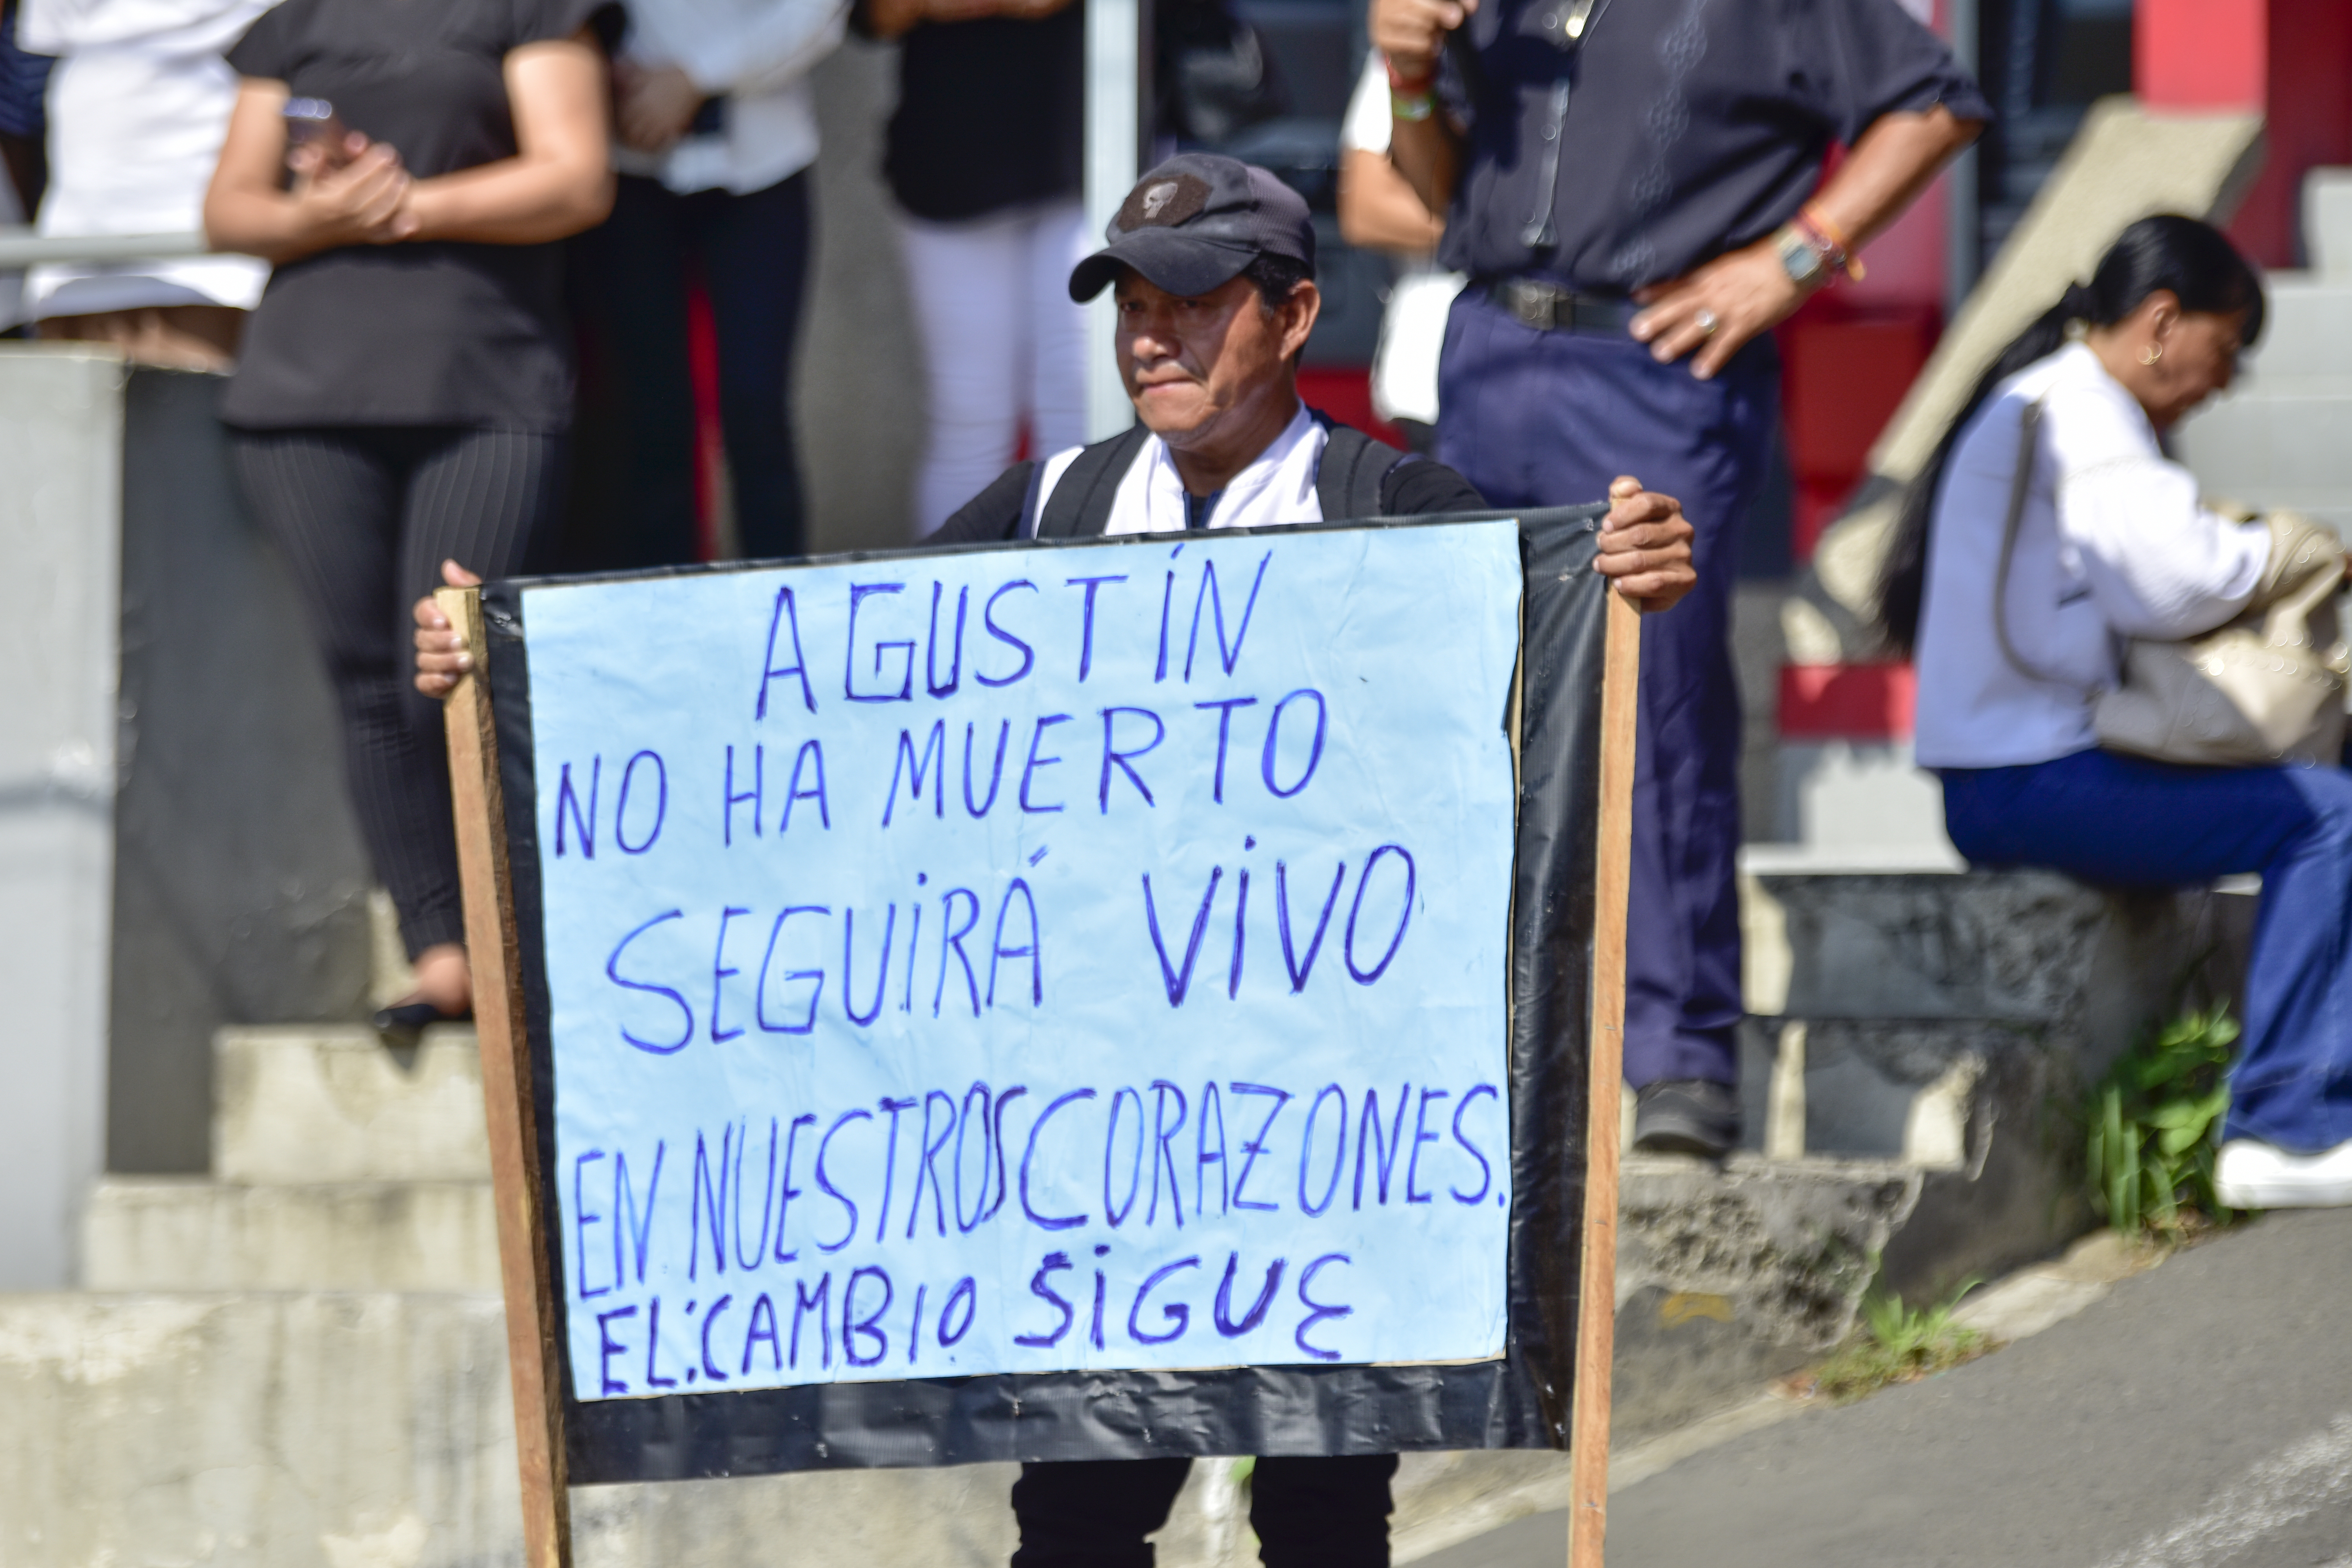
x=21 y=247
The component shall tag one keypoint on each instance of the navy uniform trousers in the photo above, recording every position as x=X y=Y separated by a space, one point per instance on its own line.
x=1548 y=419
x=1536 y=418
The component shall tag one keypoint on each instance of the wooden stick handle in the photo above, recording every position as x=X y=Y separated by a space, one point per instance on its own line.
x=1596 y=1333
x=534 y=1369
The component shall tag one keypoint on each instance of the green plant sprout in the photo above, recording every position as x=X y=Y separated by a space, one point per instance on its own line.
x=1901 y=1344
x=2154 y=1122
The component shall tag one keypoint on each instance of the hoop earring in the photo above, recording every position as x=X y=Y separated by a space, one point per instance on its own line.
x=2150 y=355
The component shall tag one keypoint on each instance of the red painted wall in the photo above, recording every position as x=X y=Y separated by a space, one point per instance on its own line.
x=2292 y=59
x=2200 y=54
x=2310 y=122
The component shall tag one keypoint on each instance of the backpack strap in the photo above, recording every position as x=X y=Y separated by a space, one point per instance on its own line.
x=1353 y=472
x=1080 y=504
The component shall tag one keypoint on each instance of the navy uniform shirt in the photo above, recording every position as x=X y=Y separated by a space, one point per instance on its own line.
x=1692 y=127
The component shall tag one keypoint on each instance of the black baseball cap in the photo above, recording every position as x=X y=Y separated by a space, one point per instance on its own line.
x=1193 y=223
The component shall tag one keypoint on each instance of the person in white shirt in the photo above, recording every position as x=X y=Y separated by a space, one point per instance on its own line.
x=715 y=133
x=2113 y=543
x=984 y=158
x=138 y=106
x=1379 y=210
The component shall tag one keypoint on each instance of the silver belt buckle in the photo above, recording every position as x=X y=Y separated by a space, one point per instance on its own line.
x=1537 y=304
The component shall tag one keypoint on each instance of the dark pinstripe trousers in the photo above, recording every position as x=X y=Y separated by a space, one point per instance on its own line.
x=366 y=515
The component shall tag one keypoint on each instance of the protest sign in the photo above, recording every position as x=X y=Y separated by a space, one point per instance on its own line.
x=1086 y=1000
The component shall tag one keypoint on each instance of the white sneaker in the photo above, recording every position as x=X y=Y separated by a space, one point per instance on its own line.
x=2254 y=1175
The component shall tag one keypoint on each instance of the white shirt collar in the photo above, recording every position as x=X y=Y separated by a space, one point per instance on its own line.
x=1276 y=488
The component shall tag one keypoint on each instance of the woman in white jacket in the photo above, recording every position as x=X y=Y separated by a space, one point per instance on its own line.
x=2113 y=543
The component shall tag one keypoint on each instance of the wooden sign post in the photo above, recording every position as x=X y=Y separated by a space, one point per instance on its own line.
x=532 y=1366
x=1596 y=1333
x=1513 y=1349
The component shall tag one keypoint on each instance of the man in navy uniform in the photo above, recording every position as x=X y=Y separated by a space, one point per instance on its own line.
x=1634 y=187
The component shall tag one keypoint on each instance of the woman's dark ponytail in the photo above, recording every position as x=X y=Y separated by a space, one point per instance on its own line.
x=2192 y=260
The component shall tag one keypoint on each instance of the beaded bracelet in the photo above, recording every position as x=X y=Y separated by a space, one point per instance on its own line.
x=1828 y=239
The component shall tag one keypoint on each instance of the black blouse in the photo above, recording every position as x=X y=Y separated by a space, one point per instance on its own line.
x=990 y=116
x=429 y=334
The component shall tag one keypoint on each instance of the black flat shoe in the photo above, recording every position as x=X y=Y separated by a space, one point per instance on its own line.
x=407 y=1018
x=1687 y=1116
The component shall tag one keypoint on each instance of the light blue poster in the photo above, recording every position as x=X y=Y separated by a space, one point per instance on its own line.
x=1033 y=960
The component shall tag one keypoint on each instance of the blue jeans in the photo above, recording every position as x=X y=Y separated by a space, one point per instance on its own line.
x=1548 y=419
x=2123 y=822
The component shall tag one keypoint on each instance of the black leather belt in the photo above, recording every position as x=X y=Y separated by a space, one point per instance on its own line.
x=1547 y=307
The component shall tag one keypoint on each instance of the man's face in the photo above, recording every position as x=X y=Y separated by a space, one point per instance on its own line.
x=1189 y=363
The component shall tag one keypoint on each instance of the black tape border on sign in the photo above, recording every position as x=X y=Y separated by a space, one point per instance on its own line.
x=1520 y=1401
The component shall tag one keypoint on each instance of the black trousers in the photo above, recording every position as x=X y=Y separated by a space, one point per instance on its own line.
x=366 y=515
x=628 y=283
x=1308 y=1512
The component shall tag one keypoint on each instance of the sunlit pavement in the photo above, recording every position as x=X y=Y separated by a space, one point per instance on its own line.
x=2198 y=1416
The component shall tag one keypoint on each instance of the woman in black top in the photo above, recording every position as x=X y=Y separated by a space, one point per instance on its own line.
x=984 y=154
x=404 y=390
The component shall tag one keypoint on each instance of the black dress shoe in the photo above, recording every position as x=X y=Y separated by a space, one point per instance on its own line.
x=1687 y=1116
x=407 y=1018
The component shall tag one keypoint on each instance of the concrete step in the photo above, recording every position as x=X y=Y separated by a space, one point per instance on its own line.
x=1831 y=940
x=2278 y=445
x=1729 y=1276
x=374 y=1430
x=2275 y=438
x=374 y=1427
x=336 y=1103
x=2306 y=316
x=182 y=1234
x=1923 y=944
x=2327 y=220
x=1948 y=1020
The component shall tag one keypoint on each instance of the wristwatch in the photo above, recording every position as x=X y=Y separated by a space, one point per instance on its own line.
x=1801 y=260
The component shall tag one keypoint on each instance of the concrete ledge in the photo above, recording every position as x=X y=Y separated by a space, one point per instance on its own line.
x=373 y=1431
x=364 y=1428
x=1727 y=1278
x=337 y=1104
x=175 y=1233
x=260 y=1430
x=1971 y=945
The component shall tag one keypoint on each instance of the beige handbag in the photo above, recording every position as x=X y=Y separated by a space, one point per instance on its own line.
x=2266 y=687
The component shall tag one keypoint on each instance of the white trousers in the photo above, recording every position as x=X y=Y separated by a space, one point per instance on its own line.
x=1003 y=344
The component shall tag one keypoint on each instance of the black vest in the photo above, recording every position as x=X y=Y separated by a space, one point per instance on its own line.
x=1347 y=481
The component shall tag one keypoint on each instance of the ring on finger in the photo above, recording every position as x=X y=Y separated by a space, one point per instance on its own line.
x=1707 y=322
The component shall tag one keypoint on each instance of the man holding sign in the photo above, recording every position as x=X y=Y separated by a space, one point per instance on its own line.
x=1083 y=821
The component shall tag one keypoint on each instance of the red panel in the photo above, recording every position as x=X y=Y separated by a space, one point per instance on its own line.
x=1846 y=702
x=2202 y=54
x=1845 y=378
x=1815 y=505
x=710 y=442
x=2309 y=123
x=1847 y=370
x=1903 y=267
x=1347 y=395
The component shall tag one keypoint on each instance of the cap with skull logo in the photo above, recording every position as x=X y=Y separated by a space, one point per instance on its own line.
x=1194 y=223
